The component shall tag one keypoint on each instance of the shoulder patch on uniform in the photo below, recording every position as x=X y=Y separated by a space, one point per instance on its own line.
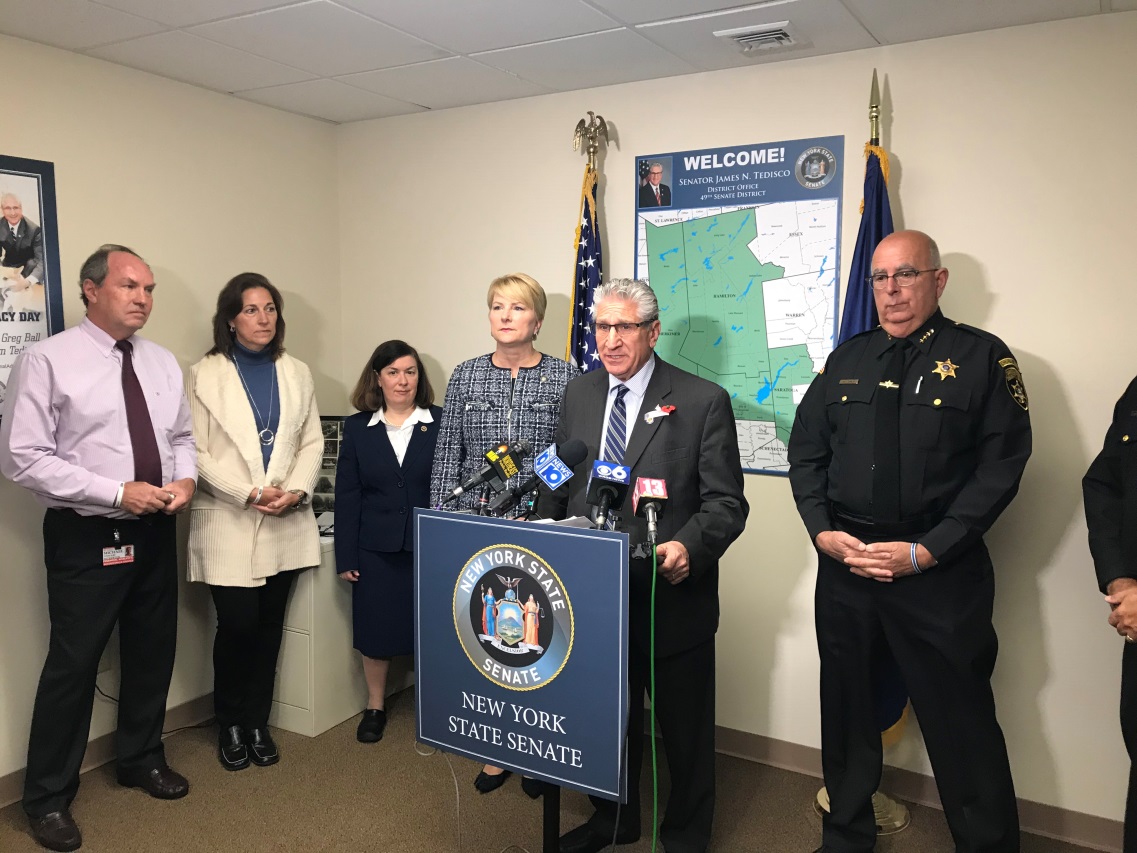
x=1015 y=382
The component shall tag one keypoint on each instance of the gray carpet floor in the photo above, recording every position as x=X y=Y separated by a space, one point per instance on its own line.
x=332 y=793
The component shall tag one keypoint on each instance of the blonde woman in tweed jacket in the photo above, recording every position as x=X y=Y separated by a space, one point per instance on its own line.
x=259 y=446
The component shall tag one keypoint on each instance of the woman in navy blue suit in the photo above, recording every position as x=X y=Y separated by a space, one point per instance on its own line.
x=386 y=456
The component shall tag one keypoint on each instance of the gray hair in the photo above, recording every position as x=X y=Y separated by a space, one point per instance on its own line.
x=95 y=267
x=5 y=196
x=633 y=290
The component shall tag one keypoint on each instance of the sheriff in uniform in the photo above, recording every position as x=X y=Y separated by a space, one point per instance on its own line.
x=903 y=453
x=1110 y=491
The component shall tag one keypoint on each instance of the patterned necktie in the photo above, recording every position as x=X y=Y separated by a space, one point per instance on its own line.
x=147 y=461
x=886 y=441
x=616 y=439
x=658 y=200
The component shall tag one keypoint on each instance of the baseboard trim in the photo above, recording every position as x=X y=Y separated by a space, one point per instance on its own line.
x=1097 y=833
x=100 y=750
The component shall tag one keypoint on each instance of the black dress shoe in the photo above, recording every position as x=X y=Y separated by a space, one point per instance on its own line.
x=533 y=788
x=371 y=727
x=486 y=782
x=160 y=782
x=232 y=751
x=56 y=831
x=584 y=839
x=262 y=748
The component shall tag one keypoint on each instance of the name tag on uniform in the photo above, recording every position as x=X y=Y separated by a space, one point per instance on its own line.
x=117 y=556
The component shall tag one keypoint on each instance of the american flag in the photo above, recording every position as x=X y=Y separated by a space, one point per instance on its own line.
x=587 y=275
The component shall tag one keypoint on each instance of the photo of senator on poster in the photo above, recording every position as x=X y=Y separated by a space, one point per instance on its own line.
x=654 y=175
x=31 y=300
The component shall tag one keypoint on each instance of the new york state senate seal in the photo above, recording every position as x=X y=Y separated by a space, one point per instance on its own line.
x=513 y=617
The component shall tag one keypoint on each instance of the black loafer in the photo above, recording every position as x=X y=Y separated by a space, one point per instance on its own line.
x=232 y=751
x=584 y=839
x=56 y=831
x=262 y=748
x=533 y=788
x=160 y=782
x=371 y=726
x=486 y=782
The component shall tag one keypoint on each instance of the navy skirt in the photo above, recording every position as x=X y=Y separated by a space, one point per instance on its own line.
x=382 y=604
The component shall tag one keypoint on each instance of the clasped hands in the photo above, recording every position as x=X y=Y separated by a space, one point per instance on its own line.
x=1122 y=601
x=879 y=561
x=272 y=500
x=139 y=498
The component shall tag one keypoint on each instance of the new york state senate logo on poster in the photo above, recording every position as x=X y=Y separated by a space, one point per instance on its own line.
x=513 y=617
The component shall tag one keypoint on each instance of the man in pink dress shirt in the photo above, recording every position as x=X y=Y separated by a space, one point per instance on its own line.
x=97 y=427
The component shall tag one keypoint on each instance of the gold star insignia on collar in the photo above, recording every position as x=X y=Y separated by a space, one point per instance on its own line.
x=946 y=369
x=888 y=383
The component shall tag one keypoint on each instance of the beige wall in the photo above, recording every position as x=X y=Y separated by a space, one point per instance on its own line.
x=989 y=135
x=204 y=187
x=1008 y=146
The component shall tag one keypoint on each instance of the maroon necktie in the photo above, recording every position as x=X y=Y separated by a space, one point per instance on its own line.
x=147 y=462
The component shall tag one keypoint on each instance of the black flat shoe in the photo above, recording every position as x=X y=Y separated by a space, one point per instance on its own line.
x=232 y=751
x=56 y=831
x=487 y=782
x=371 y=726
x=533 y=788
x=262 y=748
x=162 y=782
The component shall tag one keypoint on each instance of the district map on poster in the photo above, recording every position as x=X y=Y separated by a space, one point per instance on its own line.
x=744 y=261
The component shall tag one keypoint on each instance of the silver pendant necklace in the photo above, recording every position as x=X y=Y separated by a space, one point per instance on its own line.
x=266 y=435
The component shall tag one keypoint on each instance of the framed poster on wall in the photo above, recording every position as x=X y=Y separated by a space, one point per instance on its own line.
x=31 y=296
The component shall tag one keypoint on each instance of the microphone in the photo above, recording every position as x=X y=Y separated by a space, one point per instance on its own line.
x=607 y=487
x=502 y=462
x=648 y=501
x=549 y=468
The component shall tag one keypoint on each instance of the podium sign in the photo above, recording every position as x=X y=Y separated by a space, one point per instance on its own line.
x=521 y=647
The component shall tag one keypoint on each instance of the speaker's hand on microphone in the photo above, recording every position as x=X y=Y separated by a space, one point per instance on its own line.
x=675 y=562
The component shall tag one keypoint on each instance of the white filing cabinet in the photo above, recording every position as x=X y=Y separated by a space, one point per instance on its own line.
x=319 y=679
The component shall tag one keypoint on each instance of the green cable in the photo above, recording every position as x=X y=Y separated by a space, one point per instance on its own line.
x=651 y=679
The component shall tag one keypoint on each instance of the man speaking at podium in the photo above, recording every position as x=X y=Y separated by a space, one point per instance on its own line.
x=664 y=423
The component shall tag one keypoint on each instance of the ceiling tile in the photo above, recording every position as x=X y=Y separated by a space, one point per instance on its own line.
x=330 y=100
x=320 y=37
x=70 y=24
x=196 y=60
x=823 y=26
x=181 y=13
x=603 y=59
x=474 y=25
x=641 y=11
x=454 y=82
x=896 y=21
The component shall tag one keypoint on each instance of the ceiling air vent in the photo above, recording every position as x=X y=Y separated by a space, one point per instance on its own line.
x=760 y=39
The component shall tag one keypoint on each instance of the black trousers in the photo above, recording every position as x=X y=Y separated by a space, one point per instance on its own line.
x=250 y=626
x=1129 y=732
x=684 y=706
x=85 y=599
x=938 y=627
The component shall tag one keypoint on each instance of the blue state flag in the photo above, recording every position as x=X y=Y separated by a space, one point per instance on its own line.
x=859 y=316
x=587 y=275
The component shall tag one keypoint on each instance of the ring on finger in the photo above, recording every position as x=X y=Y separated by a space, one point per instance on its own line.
x=1130 y=639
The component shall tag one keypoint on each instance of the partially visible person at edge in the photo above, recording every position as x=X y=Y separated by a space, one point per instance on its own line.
x=511 y=394
x=904 y=451
x=386 y=455
x=1110 y=491
x=96 y=426
x=259 y=446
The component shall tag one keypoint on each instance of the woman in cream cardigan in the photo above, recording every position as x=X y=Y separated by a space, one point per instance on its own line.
x=259 y=446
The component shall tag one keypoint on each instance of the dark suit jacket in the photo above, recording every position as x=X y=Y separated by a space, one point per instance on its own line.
x=24 y=250
x=375 y=496
x=695 y=449
x=647 y=196
x=1110 y=491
